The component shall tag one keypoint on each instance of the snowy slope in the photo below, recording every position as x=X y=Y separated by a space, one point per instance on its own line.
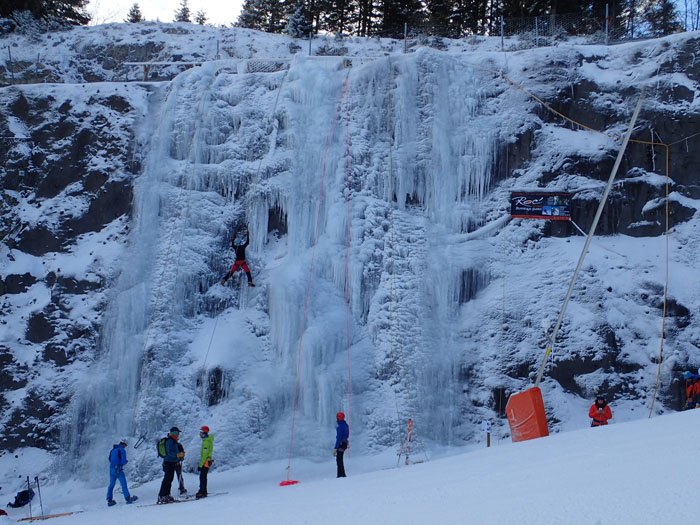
x=634 y=472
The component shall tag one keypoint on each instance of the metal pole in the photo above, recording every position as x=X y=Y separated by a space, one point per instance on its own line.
x=29 y=488
x=405 y=37
x=502 y=31
x=607 y=24
x=311 y=35
x=38 y=488
x=598 y=213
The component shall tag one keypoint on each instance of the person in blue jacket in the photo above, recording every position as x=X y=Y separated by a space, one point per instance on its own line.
x=117 y=460
x=169 y=464
x=342 y=433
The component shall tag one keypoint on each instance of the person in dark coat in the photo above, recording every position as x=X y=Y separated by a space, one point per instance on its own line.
x=239 y=242
x=342 y=433
x=599 y=412
x=117 y=461
x=22 y=498
x=170 y=462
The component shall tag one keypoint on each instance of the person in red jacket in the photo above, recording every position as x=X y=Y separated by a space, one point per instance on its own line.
x=692 y=390
x=599 y=412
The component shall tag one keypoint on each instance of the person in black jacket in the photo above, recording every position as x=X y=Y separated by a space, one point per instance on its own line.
x=239 y=242
x=170 y=462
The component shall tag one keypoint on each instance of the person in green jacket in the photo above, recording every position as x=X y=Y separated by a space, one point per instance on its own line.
x=205 y=460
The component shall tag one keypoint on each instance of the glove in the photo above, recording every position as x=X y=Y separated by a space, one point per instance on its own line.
x=600 y=410
x=207 y=463
x=180 y=455
x=335 y=451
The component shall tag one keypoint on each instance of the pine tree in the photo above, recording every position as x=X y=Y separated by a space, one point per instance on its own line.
x=70 y=12
x=340 y=17
x=134 y=16
x=299 y=22
x=252 y=15
x=396 y=13
x=183 y=14
x=201 y=17
x=662 y=17
x=440 y=18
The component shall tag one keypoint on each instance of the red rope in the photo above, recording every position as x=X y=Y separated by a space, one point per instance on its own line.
x=347 y=247
x=311 y=270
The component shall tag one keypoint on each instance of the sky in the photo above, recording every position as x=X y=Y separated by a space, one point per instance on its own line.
x=218 y=13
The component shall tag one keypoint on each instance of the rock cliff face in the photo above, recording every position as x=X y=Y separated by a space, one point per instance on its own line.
x=68 y=166
x=70 y=157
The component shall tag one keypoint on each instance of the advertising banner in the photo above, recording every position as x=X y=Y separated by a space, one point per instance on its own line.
x=540 y=205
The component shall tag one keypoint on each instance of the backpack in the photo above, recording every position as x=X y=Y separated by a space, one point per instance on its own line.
x=161 y=447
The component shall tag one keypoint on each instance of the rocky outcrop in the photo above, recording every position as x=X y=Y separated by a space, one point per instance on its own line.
x=66 y=191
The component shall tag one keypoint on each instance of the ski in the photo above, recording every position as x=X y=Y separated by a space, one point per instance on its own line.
x=47 y=516
x=184 y=500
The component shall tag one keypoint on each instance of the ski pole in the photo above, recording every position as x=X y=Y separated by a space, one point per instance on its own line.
x=29 y=489
x=38 y=488
x=140 y=441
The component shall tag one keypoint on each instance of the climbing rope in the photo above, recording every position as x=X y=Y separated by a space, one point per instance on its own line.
x=344 y=93
x=254 y=181
x=347 y=245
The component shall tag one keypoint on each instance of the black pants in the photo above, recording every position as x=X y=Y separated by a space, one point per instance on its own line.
x=339 y=462
x=203 y=480
x=169 y=469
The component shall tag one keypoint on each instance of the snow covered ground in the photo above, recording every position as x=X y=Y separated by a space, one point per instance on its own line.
x=639 y=472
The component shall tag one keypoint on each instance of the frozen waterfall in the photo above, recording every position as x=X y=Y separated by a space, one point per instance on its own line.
x=224 y=149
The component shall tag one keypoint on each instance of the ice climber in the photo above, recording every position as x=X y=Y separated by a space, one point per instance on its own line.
x=205 y=460
x=239 y=242
x=692 y=390
x=342 y=433
x=169 y=464
x=117 y=461
x=599 y=412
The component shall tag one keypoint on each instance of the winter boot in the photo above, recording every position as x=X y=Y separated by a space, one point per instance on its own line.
x=183 y=491
x=131 y=500
x=111 y=502
x=250 y=283
x=165 y=499
x=200 y=495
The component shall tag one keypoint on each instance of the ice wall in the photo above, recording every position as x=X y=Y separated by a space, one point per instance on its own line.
x=399 y=152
